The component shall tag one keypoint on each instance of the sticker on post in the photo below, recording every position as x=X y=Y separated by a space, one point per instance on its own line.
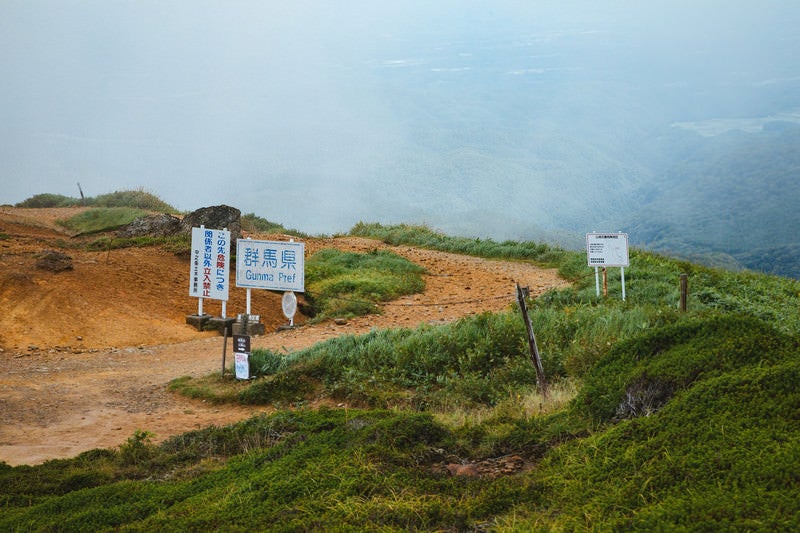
x=242 y=365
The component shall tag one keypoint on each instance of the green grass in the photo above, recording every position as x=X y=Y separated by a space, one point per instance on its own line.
x=101 y=219
x=660 y=420
x=347 y=284
x=425 y=237
x=256 y=224
x=138 y=199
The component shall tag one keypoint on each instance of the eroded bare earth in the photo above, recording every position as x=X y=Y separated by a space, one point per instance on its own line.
x=86 y=354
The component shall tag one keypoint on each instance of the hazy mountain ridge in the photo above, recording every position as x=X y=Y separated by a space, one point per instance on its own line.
x=515 y=120
x=551 y=153
x=735 y=195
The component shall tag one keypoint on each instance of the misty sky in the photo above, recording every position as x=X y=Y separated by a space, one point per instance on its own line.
x=317 y=114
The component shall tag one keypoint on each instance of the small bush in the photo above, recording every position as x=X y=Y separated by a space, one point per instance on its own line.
x=138 y=199
x=47 y=200
x=137 y=448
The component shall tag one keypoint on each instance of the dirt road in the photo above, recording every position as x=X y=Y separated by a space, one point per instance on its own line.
x=86 y=355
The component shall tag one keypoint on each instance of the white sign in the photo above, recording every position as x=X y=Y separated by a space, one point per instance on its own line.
x=607 y=249
x=289 y=304
x=272 y=265
x=241 y=365
x=210 y=264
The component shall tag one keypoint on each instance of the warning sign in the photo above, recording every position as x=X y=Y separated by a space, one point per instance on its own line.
x=241 y=349
x=210 y=263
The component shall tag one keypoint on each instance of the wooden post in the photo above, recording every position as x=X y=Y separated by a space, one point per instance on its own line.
x=224 y=346
x=534 y=350
x=605 y=282
x=684 y=292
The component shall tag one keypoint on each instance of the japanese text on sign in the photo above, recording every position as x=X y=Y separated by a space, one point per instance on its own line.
x=209 y=274
x=270 y=265
x=607 y=249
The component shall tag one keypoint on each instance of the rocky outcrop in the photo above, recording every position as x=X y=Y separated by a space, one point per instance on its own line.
x=215 y=217
x=489 y=468
x=160 y=225
x=164 y=225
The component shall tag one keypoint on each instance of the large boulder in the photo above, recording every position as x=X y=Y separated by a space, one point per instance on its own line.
x=214 y=217
x=160 y=225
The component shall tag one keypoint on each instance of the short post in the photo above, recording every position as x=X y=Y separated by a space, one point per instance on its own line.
x=224 y=347
x=534 y=349
x=684 y=292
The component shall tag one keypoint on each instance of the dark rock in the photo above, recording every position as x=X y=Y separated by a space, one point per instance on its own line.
x=160 y=225
x=215 y=217
x=54 y=261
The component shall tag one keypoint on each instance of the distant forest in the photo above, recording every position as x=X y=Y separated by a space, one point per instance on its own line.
x=731 y=200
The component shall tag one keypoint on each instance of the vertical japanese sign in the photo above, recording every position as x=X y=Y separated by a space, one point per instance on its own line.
x=210 y=264
x=272 y=265
x=241 y=349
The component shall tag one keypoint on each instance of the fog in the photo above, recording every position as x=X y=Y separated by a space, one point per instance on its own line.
x=487 y=118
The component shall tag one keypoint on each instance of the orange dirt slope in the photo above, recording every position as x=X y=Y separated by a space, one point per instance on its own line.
x=86 y=354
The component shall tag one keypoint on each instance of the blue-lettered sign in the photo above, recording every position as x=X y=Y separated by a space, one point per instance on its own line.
x=209 y=272
x=273 y=265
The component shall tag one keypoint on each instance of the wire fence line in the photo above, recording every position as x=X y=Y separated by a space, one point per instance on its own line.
x=425 y=304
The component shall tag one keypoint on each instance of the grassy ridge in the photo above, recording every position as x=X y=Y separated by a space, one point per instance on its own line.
x=680 y=421
x=138 y=199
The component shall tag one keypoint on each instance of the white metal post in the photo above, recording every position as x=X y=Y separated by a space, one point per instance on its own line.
x=622 y=275
x=597 y=280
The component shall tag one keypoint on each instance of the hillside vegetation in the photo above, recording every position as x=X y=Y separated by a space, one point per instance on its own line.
x=138 y=199
x=729 y=201
x=656 y=419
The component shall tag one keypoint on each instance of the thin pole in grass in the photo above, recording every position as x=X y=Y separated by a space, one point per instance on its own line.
x=532 y=347
x=684 y=283
x=224 y=346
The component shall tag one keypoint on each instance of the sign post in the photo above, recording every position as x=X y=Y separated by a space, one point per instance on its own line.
x=607 y=250
x=273 y=265
x=210 y=266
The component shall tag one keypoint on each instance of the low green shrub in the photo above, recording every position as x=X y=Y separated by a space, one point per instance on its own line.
x=347 y=284
x=647 y=370
x=256 y=224
x=138 y=199
x=47 y=200
x=101 y=219
x=133 y=199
